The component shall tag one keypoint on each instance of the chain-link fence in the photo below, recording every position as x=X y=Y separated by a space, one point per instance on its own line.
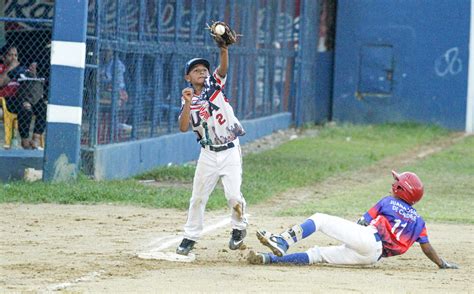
x=136 y=51
x=25 y=41
x=135 y=56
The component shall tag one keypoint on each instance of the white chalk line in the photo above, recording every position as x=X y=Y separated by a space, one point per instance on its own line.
x=89 y=277
x=221 y=221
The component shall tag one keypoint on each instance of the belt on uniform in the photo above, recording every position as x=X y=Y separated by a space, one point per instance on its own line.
x=377 y=237
x=221 y=147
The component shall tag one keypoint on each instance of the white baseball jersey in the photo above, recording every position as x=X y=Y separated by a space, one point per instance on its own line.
x=213 y=107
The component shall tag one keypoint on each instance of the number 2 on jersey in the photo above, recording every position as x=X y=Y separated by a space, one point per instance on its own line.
x=398 y=223
x=220 y=118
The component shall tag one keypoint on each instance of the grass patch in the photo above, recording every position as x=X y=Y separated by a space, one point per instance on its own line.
x=184 y=173
x=294 y=164
x=302 y=162
x=86 y=191
x=447 y=176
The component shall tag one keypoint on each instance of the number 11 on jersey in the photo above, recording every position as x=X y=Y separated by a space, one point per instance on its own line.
x=398 y=225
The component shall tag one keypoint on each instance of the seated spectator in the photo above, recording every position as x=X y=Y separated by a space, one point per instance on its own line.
x=30 y=102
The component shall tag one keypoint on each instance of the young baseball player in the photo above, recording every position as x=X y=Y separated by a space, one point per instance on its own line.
x=207 y=109
x=389 y=228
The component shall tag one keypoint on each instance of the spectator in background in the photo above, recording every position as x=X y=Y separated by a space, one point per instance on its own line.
x=30 y=103
x=107 y=74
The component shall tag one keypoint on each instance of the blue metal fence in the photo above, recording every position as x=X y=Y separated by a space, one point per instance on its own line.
x=137 y=50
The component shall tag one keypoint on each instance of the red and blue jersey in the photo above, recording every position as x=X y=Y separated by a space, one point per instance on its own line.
x=398 y=225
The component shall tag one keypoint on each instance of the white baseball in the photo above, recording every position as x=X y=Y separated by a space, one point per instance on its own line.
x=219 y=29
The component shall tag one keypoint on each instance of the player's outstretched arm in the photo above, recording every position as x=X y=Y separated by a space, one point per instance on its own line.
x=224 y=62
x=429 y=251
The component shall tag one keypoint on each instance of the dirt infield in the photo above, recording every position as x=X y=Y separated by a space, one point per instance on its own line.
x=92 y=249
x=80 y=248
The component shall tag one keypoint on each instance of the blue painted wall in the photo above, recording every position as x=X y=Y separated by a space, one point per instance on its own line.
x=402 y=61
x=122 y=160
x=14 y=162
x=68 y=51
x=324 y=75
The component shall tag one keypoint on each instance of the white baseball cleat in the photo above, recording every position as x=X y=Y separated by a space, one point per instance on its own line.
x=276 y=243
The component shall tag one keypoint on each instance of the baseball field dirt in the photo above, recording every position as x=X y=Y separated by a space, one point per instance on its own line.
x=93 y=248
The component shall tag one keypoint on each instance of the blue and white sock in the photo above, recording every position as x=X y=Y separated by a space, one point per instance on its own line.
x=299 y=232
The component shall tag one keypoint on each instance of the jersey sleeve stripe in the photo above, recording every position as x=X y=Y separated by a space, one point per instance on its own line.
x=214 y=95
x=216 y=76
x=373 y=212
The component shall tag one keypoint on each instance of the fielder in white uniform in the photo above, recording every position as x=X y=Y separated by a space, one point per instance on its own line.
x=207 y=109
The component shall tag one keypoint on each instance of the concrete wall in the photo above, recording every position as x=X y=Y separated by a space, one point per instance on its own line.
x=402 y=61
x=14 y=162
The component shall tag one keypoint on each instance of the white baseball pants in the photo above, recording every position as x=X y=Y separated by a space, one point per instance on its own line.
x=211 y=166
x=360 y=245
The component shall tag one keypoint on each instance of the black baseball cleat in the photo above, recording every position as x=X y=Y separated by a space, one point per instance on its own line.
x=237 y=239
x=185 y=246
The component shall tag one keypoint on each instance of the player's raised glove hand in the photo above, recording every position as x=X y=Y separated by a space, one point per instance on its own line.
x=222 y=34
x=448 y=265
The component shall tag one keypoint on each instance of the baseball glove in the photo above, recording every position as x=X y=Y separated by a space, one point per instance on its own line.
x=361 y=221
x=223 y=37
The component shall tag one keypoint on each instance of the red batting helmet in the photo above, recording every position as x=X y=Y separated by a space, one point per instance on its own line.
x=407 y=186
